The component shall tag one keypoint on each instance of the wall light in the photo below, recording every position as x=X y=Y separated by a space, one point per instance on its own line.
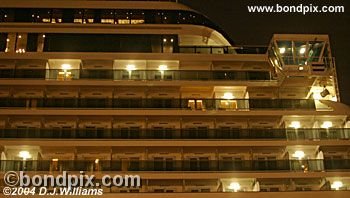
x=324 y=93
x=327 y=124
x=97 y=161
x=299 y=154
x=336 y=185
x=282 y=50
x=235 y=186
x=302 y=50
x=66 y=66
x=163 y=67
x=130 y=67
x=228 y=96
x=24 y=155
x=55 y=160
x=295 y=124
x=316 y=95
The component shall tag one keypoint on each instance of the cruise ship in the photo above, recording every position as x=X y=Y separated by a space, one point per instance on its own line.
x=155 y=89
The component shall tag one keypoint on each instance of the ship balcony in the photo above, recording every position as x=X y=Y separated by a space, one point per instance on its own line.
x=137 y=75
x=303 y=165
x=160 y=104
x=179 y=134
x=223 y=49
x=302 y=55
x=302 y=66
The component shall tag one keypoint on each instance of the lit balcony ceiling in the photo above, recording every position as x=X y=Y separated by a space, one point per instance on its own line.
x=65 y=64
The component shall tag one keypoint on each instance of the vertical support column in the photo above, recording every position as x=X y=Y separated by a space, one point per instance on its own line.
x=21 y=42
x=41 y=42
x=10 y=42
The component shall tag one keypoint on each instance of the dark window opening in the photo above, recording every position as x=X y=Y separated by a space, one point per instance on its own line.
x=3 y=42
x=32 y=42
x=109 y=43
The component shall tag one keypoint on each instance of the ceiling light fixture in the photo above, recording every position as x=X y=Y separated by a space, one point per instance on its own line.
x=24 y=155
x=295 y=124
x=299 y=154
x=282 y=50
x=235 y=186
x=130 y=67
x=228 y=96
x=163 y=67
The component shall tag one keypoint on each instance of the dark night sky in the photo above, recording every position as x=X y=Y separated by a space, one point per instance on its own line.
x=256 y=29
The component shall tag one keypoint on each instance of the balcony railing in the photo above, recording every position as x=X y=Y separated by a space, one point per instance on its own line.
x=185 y=165
x=152 y=75
x=223 y=49
x=150 y=103
x=178 y=134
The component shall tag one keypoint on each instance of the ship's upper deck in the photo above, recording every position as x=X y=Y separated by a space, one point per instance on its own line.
x=106 y=12
x=107 y=4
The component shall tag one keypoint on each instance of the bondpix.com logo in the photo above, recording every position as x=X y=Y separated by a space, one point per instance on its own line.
x=19 y=183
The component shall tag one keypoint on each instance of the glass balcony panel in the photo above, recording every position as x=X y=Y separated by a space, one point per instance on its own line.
x=7 y=73
x=218 y=50
x=189 y=50
x=315 y=51
x=61 y=102
x=168 y=164
x=102 y=74
x=134 y=165
x=225 y=133
x=30 y=73
x=156 y=103
x=96 y=74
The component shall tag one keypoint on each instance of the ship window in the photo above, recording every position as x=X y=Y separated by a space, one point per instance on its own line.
x=3 y=42
x=78 y=16
x=107 y=16
x=137 y=17
x=123 y=17
x=83 y=16
x=47 y=15
x=56 y=42
x=23 y=15
x=68 y=16
x=32 y=42
x=315 y=51
x=56 y=16
x=6 y=15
